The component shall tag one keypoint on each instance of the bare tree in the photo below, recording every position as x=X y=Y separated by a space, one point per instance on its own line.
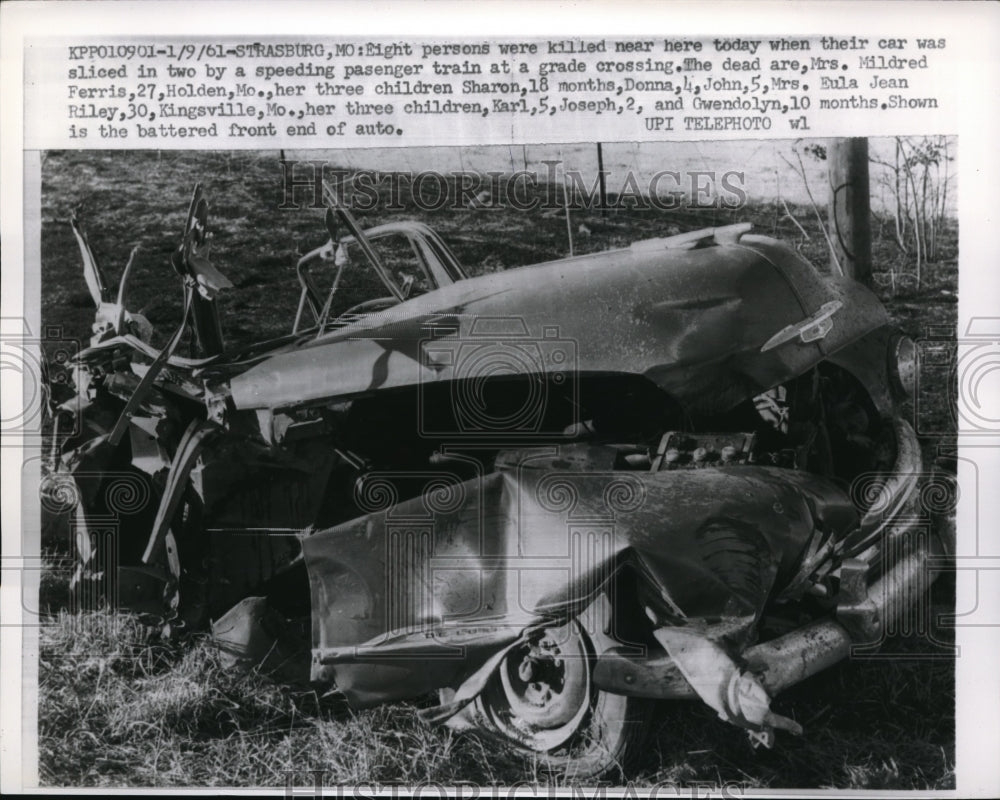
x=918 y=179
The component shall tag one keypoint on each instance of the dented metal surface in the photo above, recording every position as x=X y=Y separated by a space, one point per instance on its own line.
x=678 y=485
x=536 y=541
x=692 y=321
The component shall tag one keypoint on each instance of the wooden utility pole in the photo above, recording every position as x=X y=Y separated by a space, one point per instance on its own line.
x=600 y=177
x=849 y=209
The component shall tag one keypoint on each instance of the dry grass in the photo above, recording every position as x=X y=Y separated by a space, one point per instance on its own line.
x=120 y=707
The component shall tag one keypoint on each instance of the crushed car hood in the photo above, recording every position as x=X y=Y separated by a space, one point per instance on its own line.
x=701 y=323
x=398 y=593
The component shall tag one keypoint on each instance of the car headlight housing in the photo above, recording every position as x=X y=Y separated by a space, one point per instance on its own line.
x=903 y=367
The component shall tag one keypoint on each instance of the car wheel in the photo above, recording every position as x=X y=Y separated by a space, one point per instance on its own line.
x=542 y=701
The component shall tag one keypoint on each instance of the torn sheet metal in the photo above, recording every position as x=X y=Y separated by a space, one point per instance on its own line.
x=253 y=636
x=735 y=695
x=532 y=542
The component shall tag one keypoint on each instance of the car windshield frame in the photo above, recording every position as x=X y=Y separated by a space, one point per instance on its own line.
x=432 y=257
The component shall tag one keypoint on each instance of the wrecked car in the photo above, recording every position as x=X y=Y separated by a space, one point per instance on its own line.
x=546 y=496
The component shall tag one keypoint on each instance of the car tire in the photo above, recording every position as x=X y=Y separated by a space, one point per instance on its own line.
x=584 y=733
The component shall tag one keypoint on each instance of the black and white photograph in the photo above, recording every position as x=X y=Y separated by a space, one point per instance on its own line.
x=488 y=456
x=499 y=400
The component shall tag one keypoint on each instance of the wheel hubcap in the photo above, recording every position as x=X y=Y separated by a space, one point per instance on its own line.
x=544 y=689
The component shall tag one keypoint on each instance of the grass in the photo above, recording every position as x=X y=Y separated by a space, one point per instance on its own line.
x=120 y=707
